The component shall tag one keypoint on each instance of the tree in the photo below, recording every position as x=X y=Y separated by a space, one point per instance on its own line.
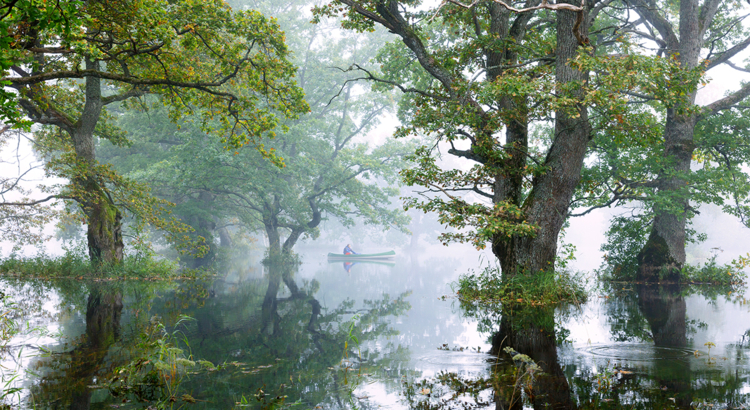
x=696 y=37
x=328 y=170
x=197 y=55
x=485 y=69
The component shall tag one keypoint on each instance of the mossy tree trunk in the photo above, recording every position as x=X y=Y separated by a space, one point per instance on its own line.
x=664 y=252
x=104 y=231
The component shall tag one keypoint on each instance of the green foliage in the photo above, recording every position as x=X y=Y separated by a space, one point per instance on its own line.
x=187 y=52
x=325 y=168
x=722 y=150
x=541 y=289
x=625 y=238
x=154 y=376
x=731 y=274
x=229 y=67
x=76 y=265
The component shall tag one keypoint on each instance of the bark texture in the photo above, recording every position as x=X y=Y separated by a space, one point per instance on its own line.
x=104 y=231
x=548 y=202
x=664 y=252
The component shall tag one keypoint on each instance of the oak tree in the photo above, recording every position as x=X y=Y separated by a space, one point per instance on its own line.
x=196 y=55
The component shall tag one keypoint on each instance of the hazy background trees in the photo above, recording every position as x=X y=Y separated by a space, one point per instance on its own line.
x=500 y=118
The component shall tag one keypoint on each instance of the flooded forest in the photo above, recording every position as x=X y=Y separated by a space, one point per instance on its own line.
x=374 y=204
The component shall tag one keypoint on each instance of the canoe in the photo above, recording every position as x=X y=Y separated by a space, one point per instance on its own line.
x=362 y=256
x=382 y=261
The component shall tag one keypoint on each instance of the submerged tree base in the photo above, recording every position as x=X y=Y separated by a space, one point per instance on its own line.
x=540 y=289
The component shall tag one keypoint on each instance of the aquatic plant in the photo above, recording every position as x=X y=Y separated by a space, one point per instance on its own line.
x=526 y=371
x=155 y=374
x=8 y=329
x=448 y=390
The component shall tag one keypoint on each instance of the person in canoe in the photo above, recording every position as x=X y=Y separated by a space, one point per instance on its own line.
x=348 y=250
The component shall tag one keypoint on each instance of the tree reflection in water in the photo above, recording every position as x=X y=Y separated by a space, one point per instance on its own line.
x=67 y=376
x=655 y=368
x=531 y=331
x=272 y=337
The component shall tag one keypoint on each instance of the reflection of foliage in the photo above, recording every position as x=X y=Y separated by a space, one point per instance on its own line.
x=8 y=329
x=512 y=380
x=299 y=356
x=661 y=388
x=627 y=321
x=449 y=390
x=285 y=342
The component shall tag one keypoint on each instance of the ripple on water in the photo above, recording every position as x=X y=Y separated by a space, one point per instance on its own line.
x=455 y=360
x=637 y=352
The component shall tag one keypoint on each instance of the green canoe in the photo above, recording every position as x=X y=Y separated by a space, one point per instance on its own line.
x=362 y=256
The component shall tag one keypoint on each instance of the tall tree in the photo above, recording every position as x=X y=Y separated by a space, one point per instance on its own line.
x=696 y=38
x=193 y=54
x=486 y=71
x=329 y=169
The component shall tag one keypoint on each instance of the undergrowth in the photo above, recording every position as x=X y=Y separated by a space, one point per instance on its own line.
x=710 y=273
x=73 y=265
x=541 y=289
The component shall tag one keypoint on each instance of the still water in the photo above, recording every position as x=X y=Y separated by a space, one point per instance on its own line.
x=330 y=335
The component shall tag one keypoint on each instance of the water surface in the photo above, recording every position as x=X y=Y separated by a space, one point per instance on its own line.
x=331 y=335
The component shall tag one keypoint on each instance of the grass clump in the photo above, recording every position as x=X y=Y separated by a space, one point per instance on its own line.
x=73 y=265
x=541 y=289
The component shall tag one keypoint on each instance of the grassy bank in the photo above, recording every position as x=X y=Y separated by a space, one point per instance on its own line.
x=73 y=265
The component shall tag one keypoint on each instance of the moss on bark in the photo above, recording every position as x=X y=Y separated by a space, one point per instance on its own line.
x=655 y=263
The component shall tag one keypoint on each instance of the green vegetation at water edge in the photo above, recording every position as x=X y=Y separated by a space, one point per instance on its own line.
x=541 y=289
x=72 y=265
x=711 y=273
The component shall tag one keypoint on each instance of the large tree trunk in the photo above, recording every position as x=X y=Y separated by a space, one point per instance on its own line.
x=547 y=204
x=104 y=231
x=664 y=252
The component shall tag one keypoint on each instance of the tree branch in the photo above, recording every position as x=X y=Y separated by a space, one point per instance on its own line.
x=726 y=102
x=726 y=55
